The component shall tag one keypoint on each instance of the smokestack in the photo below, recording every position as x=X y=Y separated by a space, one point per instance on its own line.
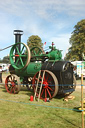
x=18 y=34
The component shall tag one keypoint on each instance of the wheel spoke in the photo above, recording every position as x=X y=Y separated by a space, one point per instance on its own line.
x=50 y=88
x=17 y=49
x=14 y=89
x=45 y=93
x=21 y=61
x=50 y=81
x=38 y=52
x=36 y=78
x=40 y=77
x=22 y=49
x=23 y=55
x=44 y=78
x=12 y=55
x=42 y=92
x=34 y=52
x=15 y=81
x=48 y=92
x=47 y=78
x=11 y=89
x=17 y=60
x=11 y=78
x=40 y=82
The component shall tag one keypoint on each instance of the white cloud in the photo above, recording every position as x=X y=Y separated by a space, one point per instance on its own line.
x=45 y=9
x=48 y=8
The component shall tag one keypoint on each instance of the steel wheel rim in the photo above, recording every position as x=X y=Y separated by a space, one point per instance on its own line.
x=12 y=84
x=50 y=85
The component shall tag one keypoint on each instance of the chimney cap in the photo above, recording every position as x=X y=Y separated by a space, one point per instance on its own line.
x=18 y=32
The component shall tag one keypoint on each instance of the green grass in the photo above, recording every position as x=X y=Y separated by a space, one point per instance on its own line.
x=17 y=111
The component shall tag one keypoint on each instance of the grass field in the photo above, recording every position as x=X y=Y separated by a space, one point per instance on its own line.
x=17 y=111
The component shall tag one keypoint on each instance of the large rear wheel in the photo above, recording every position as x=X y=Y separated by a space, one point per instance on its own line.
x=50 y=84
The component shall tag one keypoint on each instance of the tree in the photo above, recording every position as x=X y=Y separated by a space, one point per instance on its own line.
x=77 y=42
x=6 y=59
x=34 y=40
x=0 y=60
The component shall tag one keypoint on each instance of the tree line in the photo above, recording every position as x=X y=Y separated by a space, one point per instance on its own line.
x=77 y=42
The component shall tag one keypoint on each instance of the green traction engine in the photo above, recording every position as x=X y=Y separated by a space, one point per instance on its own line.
x=26 y=64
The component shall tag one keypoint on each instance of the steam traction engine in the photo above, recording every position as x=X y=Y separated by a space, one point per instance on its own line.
x=28 y=65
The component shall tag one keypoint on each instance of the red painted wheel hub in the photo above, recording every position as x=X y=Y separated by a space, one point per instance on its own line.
x=45 y=84
x=13 y=84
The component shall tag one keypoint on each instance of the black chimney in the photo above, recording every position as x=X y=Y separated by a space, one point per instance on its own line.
x=18 y=34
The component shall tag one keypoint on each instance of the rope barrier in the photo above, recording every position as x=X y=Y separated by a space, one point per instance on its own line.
x=42 y=105
x=44 y=85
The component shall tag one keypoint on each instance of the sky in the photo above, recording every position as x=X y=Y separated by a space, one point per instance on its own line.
x=51 y=20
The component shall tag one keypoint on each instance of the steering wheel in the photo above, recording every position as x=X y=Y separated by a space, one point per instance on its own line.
x=20 y=58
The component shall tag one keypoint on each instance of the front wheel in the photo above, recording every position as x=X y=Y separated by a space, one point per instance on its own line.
x=12 y=84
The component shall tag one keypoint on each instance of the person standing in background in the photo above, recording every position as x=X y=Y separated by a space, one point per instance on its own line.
x=0 y=74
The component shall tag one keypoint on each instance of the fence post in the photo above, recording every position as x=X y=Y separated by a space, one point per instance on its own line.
x=82 y=100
